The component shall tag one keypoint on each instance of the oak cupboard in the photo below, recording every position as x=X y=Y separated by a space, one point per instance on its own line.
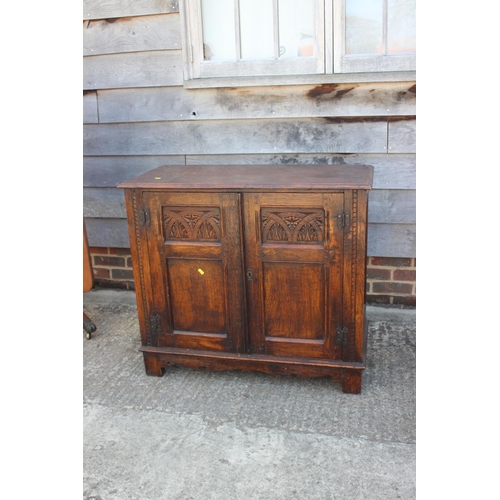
x=258 y=267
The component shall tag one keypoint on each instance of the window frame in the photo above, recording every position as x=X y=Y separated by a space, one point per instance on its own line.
x=331 y=66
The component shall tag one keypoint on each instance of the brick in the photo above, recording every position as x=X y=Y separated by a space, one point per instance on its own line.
x=392 y=287
x=129 y=262
x=405 y=301
x=109 y=261
x=99 y=272
x=119 y=251
x=378 y=274
x=99 y=250
x=122 y=274
x=405 y=275
x=122 y=285
x=391 y=261
x=378 y=299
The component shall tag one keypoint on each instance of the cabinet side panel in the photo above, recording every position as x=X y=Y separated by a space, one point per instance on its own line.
x=140 y=262
x=362 y=211
x=354 y=274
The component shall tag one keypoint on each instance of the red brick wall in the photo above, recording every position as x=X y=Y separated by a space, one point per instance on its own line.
x=112 y=268
x=390 y=281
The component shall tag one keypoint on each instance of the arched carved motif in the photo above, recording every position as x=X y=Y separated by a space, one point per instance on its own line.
x=292 y=226
x=191 y=223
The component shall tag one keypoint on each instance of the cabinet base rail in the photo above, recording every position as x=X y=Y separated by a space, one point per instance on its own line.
x=348 y=373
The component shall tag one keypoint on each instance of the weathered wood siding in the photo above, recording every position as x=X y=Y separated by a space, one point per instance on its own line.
x=137 y=116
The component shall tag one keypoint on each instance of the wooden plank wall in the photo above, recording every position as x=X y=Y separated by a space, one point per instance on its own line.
x=137 y=116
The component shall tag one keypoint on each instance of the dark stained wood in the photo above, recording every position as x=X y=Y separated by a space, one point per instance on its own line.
x=256 y=178
x=254 y=268
x=88 y=275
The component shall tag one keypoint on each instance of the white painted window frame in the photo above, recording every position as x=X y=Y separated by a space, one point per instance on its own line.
x=343 y=63
x=330 y=64
x=199 y=68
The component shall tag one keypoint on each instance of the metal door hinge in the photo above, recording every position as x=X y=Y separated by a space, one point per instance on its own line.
x=144 y=217
x=343 y=220
x=341 y=333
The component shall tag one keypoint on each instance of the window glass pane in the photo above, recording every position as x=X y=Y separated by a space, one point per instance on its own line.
x=364 y=27
x=401 y=26
x=256 y=28
x=296 y=28
x=218 y=30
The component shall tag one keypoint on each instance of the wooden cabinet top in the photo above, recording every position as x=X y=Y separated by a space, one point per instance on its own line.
x=255 y=177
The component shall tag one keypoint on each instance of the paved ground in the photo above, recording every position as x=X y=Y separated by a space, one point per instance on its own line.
x=199 y=435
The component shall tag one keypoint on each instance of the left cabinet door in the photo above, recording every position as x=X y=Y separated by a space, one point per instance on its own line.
x=196 y=273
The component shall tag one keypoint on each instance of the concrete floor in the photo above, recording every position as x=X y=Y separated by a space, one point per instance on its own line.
x=198 y=435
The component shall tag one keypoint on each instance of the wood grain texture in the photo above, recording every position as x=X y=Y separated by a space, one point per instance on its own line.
x=177 y=103
x=104 y=203
x=395 y=171
x=107 y=232
x=133 y=69
x=90 y=114
x=384 y=240
x=392 y=206
x=109 y=171
x=259 y=178
x=392 y=240
x=131 y=34
x=385 y=206
x=402 y=136
x=318 y=135
x=102 y=9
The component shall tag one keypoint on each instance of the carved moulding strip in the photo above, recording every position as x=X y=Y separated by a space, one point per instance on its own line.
x=291 y=226
x=141 y=268
x=354 y=230
x=191 y=223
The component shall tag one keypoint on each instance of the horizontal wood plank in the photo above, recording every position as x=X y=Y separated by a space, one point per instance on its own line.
x=90 y=114
x=384 y=206
x=109 y=171
x=132 y=34
x=111 y=233
x=397 y=171
x=392 y=206
x=320 y=135
x=391 y=240
x=402 y=136
x=104 y=203
x=384 y=240
x=133 y=69
x=102 y=9
x=177 y=103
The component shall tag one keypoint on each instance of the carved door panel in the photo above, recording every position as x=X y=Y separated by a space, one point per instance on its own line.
x=196 y=270
x=293 y=254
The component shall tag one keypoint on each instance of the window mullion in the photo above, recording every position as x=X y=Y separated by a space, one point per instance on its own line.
x=237 y=31
x=384 y=28
x=276 y=36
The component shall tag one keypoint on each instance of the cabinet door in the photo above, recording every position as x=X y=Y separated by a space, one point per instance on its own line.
x=293 y=254
x=195 y=259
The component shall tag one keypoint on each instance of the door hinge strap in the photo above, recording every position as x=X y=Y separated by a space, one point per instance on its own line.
x=343 y=220
x=341 y=333
x=144 y=217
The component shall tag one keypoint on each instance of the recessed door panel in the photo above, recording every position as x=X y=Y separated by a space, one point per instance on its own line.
x=294 y=300
x=194 y=244
x=293 y=254
x=197 y=295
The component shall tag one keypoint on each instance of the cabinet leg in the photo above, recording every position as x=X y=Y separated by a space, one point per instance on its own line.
x=351 y=381
x=153 y=366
